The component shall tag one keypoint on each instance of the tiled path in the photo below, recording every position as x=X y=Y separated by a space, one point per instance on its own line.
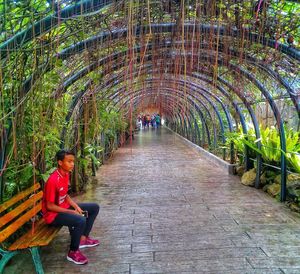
x=167 y=210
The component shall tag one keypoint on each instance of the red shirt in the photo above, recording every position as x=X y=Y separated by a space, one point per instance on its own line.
x=55 y=191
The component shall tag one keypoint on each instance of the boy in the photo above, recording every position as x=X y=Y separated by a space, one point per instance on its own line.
x=60 y=210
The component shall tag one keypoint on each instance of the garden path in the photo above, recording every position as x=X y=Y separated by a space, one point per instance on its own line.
x=165 y=209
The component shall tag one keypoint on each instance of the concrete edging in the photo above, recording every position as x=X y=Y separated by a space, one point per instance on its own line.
x=211 y=157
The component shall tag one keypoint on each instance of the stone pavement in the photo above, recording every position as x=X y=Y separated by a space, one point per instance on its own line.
x=164 y=209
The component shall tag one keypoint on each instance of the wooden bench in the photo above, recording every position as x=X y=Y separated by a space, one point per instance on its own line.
x=18 y=212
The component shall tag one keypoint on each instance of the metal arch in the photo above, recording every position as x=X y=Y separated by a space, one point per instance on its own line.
x=214 y=128
x=49 y=22
x=223 y=91
x=199 y=111
x=115 y=34
x=256 y=129
x=77 y=98
x=94 y=65
x=282 y=194
x=236 y=107
x=258 y=136
x=72 y=106
x=86 y=70
x=279 y=125
x=217 y=99
x=28 y=85
x=240 y=115
x=74 y=78
x=169 y=27
x=75 y=101
x=211 y=103
x=196 y=106
x=213 y=106
x=82 y=72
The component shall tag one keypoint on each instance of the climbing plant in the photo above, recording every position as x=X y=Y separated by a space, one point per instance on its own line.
x=73 y=73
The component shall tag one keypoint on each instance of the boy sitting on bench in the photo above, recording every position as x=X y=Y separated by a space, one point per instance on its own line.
x=60 y=210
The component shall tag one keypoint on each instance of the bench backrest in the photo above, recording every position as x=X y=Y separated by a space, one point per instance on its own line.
x=19 y=210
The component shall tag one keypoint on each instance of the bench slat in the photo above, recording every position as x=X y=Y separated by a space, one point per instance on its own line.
x=43 y=235
x=23 y=240
x=19 y=197
x=19 y=222
x=22 y=207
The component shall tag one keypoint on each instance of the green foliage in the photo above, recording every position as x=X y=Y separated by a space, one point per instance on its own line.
x=294 y=160
x=90 y=152
x=17 y=178
x=270 y=145
x=241 y=140
x=293 y=149
x=39 y=113
x=46 y=175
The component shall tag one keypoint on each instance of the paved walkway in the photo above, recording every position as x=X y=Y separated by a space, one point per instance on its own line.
x=167 y=210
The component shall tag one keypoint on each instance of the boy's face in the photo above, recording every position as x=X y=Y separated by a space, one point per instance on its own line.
x=67 y=164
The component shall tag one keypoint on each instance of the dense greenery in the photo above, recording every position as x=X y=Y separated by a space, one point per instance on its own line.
x=54 y=94
x=270 y=146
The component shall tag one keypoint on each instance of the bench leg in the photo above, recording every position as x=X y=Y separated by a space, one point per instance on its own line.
x=5 y=257
x=37 y=260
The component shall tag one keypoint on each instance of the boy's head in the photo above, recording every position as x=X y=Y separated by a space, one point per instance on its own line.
x=60 y=155
x=65 y=160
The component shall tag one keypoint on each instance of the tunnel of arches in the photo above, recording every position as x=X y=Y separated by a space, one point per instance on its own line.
x=77 y=74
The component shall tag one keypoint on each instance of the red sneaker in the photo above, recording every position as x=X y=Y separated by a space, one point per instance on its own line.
x=76 y=257
x=88 y=242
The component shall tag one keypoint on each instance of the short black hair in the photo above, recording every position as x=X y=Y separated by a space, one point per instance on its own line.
x=60 y=155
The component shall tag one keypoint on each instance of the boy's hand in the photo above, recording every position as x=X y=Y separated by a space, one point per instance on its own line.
x=79 y=210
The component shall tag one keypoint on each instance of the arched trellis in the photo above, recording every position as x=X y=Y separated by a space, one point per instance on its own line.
x=114 y=80
x=72 y=79
x=236 y=107
x=89 y=43
x=50 y=22
x=179 y=114
x=263 y=41
x=81 y=94
x=177 y=95
x=84 y=71
x=191 y=97
x=164 y=28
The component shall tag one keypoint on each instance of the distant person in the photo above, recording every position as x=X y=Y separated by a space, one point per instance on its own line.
x=148 y=120
x=60 y=210
x=158 y=120
x=153 y=121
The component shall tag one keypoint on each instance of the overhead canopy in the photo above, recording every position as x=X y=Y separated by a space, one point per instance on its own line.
x=208 y=66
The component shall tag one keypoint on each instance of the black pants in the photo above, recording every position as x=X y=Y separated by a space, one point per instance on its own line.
x=78 y=225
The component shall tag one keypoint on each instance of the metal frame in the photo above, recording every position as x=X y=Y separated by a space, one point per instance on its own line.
x=26 y=36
